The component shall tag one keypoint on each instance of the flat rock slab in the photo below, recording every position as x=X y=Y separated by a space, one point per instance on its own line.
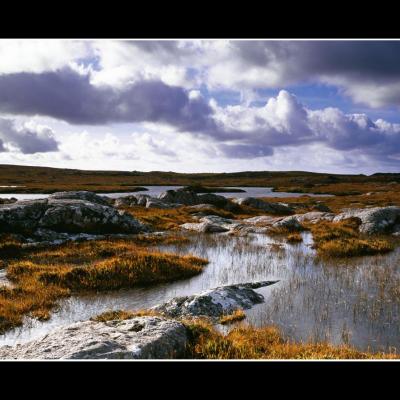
x=137 y=338
x=216 y=302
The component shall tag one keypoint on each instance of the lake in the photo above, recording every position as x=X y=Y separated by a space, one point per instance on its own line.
x=154 y=191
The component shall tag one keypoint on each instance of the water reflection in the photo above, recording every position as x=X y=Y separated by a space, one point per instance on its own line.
x=353 y=301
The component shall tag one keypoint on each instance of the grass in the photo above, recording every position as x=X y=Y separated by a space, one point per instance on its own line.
x=247 y=342
x=121 y=315
x=342 y=239
x=294 y=238
x=354 y=247
x=237 y=315
x=44 y=276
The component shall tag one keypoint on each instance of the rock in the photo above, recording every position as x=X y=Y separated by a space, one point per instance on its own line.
x=189 y=198
x=290 y=223
x=216 y=302
x=67 y=216
x=142 y=199
x=136 y=338
x=157 y=203
x=181 y=197
x=373 y=220
x=126 y=201
x=8 y=201
x=314 y=217
x=204 y=227
x=321 y=207
x=272 y=208
x=81 y=195
x=262 y=220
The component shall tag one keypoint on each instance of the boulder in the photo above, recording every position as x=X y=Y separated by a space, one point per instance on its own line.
x=179 y=196
x=8 y=201
x=189 y=198
x=66 y=215
x=373 y=220
x=272 y=208
x=145 y=337
x=126 y=201
x=216 y=302
x=204 y=227
x=290 y=223
x=82 y=195
x=314 y=217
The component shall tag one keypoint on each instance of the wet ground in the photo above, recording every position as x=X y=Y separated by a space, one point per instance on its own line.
x=355 y=301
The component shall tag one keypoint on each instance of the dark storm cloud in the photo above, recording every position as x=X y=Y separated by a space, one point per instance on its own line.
x=69 y=96
x=371 y=60
x=246 y=150
x=27 y=140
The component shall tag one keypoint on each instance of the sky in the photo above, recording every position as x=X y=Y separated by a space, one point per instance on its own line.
x=201 y=105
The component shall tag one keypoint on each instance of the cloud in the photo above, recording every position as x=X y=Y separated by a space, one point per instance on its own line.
x=18 y=55
x=69 y=96
x=28 y=139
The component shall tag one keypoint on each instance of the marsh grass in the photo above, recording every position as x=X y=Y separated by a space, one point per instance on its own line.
x=121 y=315
x=342 y=239
x=247 y=342
x=237 y=315
x=47 y=275
x=294 y=238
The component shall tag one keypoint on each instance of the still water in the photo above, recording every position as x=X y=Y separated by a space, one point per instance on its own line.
x=154 y=191
x=354 y=301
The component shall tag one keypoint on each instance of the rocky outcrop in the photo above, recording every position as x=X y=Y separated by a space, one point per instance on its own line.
x=271 y=208
x=59 y=213
x=137 y=338
x=216 y=302
x=82 y=195
x=204 y=227
x=314 y=217
x=374 y=220
x=8 y=201
x=189 y=198
x=289 y=223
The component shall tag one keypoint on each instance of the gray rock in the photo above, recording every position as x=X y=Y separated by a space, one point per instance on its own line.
x=204 y=227
x=82 y=195
x=321 y=207
x=373 y=220
x=314 y=217
x=216 y=302
x=137 y=338
x=126 y=201
x=180 y=196
x=189 y=198
x=67 y=216
x=272 y=208
x=157 y=203
x=290 y=223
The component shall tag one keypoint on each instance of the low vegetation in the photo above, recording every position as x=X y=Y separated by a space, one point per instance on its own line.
x=43 y=276
x=122 y=315
x=294 y=237
x=247 y=342
x=342 y=239
x=237 y=315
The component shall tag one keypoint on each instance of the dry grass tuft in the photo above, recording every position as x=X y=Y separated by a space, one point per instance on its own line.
x=237 y=315
x=121 y=315
x=46 y=275
x=342 y=239
x=246 y=342
x=294 y=238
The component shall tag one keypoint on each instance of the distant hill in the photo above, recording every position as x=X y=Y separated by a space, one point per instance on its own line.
x=47 y=180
